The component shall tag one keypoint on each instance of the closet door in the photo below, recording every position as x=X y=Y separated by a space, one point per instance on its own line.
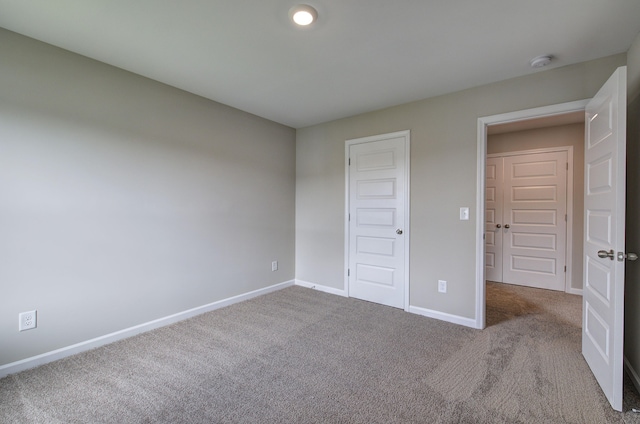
x=493 y=220
x=534 y=220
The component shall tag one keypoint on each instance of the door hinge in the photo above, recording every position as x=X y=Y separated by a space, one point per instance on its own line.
x=567 y=166
x=349 y=161
x=348 y=273
x=349 y=217
x=565 y=217
x=565 y=268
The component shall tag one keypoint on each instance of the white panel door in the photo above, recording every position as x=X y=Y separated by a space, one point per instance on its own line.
x=493 y=219
x=604 y=204
x=534 y=225
x=377 y=190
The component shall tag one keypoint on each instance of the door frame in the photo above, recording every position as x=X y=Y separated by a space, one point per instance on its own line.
x=483 y=123
x=568 y=251
x=406 y=134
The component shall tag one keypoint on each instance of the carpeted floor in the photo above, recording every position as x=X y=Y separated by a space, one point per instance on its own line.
x=302 y=356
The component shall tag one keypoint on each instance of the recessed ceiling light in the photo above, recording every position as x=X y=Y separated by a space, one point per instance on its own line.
x=540 y=61
x=303 y=14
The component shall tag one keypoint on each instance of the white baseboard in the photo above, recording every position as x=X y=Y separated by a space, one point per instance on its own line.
x=455 y=319
x=54 y=355
x=635 y=378
x=321 y=288
x=575 y=291
x=442 y=316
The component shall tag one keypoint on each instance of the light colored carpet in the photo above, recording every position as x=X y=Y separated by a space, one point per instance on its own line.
x=302 y=356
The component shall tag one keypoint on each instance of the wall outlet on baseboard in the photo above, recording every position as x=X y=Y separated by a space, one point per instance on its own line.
x=274 y=266
x=442 y=286
x=27 y=320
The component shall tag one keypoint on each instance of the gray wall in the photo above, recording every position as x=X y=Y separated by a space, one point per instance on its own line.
x=443 y=179
x=632 y=280
x=633 y=70
x=123 y=200
x=558 y=136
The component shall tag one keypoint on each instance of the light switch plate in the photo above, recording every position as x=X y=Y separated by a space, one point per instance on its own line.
x=464 y=214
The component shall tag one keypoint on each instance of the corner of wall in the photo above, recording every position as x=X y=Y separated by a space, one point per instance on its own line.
x=633 y=70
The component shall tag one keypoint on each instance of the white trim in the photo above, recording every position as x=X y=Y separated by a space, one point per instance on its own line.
x=443 y=316
x=320 y=287
x=531 y=151
x=481 y=182
x=54 y=355
x=406 y=134
x=483 y=123
x=346 y=219
x=568 y=260
x=407 y=219
x=534 y=113
x=635 y=378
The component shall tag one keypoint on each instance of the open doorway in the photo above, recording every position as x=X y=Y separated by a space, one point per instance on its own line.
x=604 y=229
x=529 y=123
x=534 y=217
x=534 y=202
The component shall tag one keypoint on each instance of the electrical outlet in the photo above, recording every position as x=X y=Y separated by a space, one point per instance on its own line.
x=442 y=286
x=274 y=266
x=27 y=320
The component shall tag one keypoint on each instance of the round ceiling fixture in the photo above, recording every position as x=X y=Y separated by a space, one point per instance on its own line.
x=303 y=14
x=540 y=61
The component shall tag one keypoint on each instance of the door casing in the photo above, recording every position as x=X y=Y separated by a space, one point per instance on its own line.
x=406 y=134
x=483 y=123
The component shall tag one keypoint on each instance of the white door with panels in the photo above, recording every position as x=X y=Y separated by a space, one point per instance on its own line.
x=526 y=219
x=493 y=219
x=604 y=242
x=377 y=219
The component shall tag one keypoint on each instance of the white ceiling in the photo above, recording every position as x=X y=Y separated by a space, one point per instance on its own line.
x=361 y=55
